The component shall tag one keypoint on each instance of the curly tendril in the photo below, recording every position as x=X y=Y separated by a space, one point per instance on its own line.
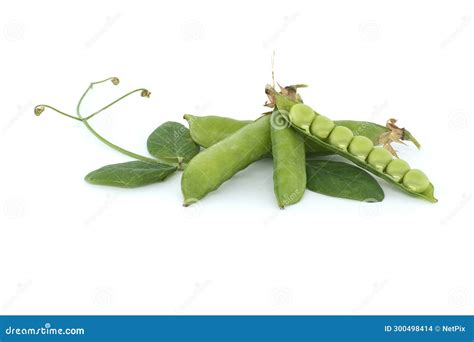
x=39 y=109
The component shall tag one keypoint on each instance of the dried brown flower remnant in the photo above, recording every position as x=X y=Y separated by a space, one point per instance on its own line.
x=395 y=134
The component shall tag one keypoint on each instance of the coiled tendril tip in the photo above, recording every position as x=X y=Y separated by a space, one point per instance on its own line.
x=115 y=80
x=145 y=93
x=39 y=110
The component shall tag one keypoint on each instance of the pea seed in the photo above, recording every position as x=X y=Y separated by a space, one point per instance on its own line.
x=302 y=115
x=397 y=168
x=341 y=137
x=361 y=146
x=379 y=158
x=416 y=181
x=321 y=126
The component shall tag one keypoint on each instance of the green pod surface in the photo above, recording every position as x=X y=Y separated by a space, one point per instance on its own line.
x=289 y=168
x=209 y=130
x=212 y=167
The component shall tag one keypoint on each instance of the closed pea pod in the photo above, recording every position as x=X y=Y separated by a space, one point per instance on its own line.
x=212 y=167
x=289 y=169
x=209 y=130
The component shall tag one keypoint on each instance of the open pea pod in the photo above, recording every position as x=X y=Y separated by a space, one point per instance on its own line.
x=284 y=104
x=373 y=131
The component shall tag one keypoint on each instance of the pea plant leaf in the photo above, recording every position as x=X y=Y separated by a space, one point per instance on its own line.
x=342 y=180
x=172 y=142
x=130 y=174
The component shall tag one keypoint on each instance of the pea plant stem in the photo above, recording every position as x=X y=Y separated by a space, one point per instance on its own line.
x=95 y=133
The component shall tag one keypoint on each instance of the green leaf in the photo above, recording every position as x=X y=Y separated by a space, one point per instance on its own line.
x=172 y=142
x=130 y=174
x=342 y=180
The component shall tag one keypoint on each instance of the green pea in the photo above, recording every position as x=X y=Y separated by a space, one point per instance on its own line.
x=379 y=158
x=289 y=164
x=212 y=167
x=302 y=115
x=397 y=168
x=416 y=181
x=361 y=146
x=341 y=137
x=321 y=126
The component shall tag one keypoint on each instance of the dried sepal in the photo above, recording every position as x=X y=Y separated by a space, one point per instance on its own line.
x=394 y=135
x=290 y=92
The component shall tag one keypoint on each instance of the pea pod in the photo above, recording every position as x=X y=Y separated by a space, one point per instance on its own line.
x=284 y=104
x=289 y=170
x=212 y=167
x=208 y=130
x=373 y=131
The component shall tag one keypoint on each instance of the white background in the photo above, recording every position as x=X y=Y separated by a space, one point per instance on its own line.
x=67 y=247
